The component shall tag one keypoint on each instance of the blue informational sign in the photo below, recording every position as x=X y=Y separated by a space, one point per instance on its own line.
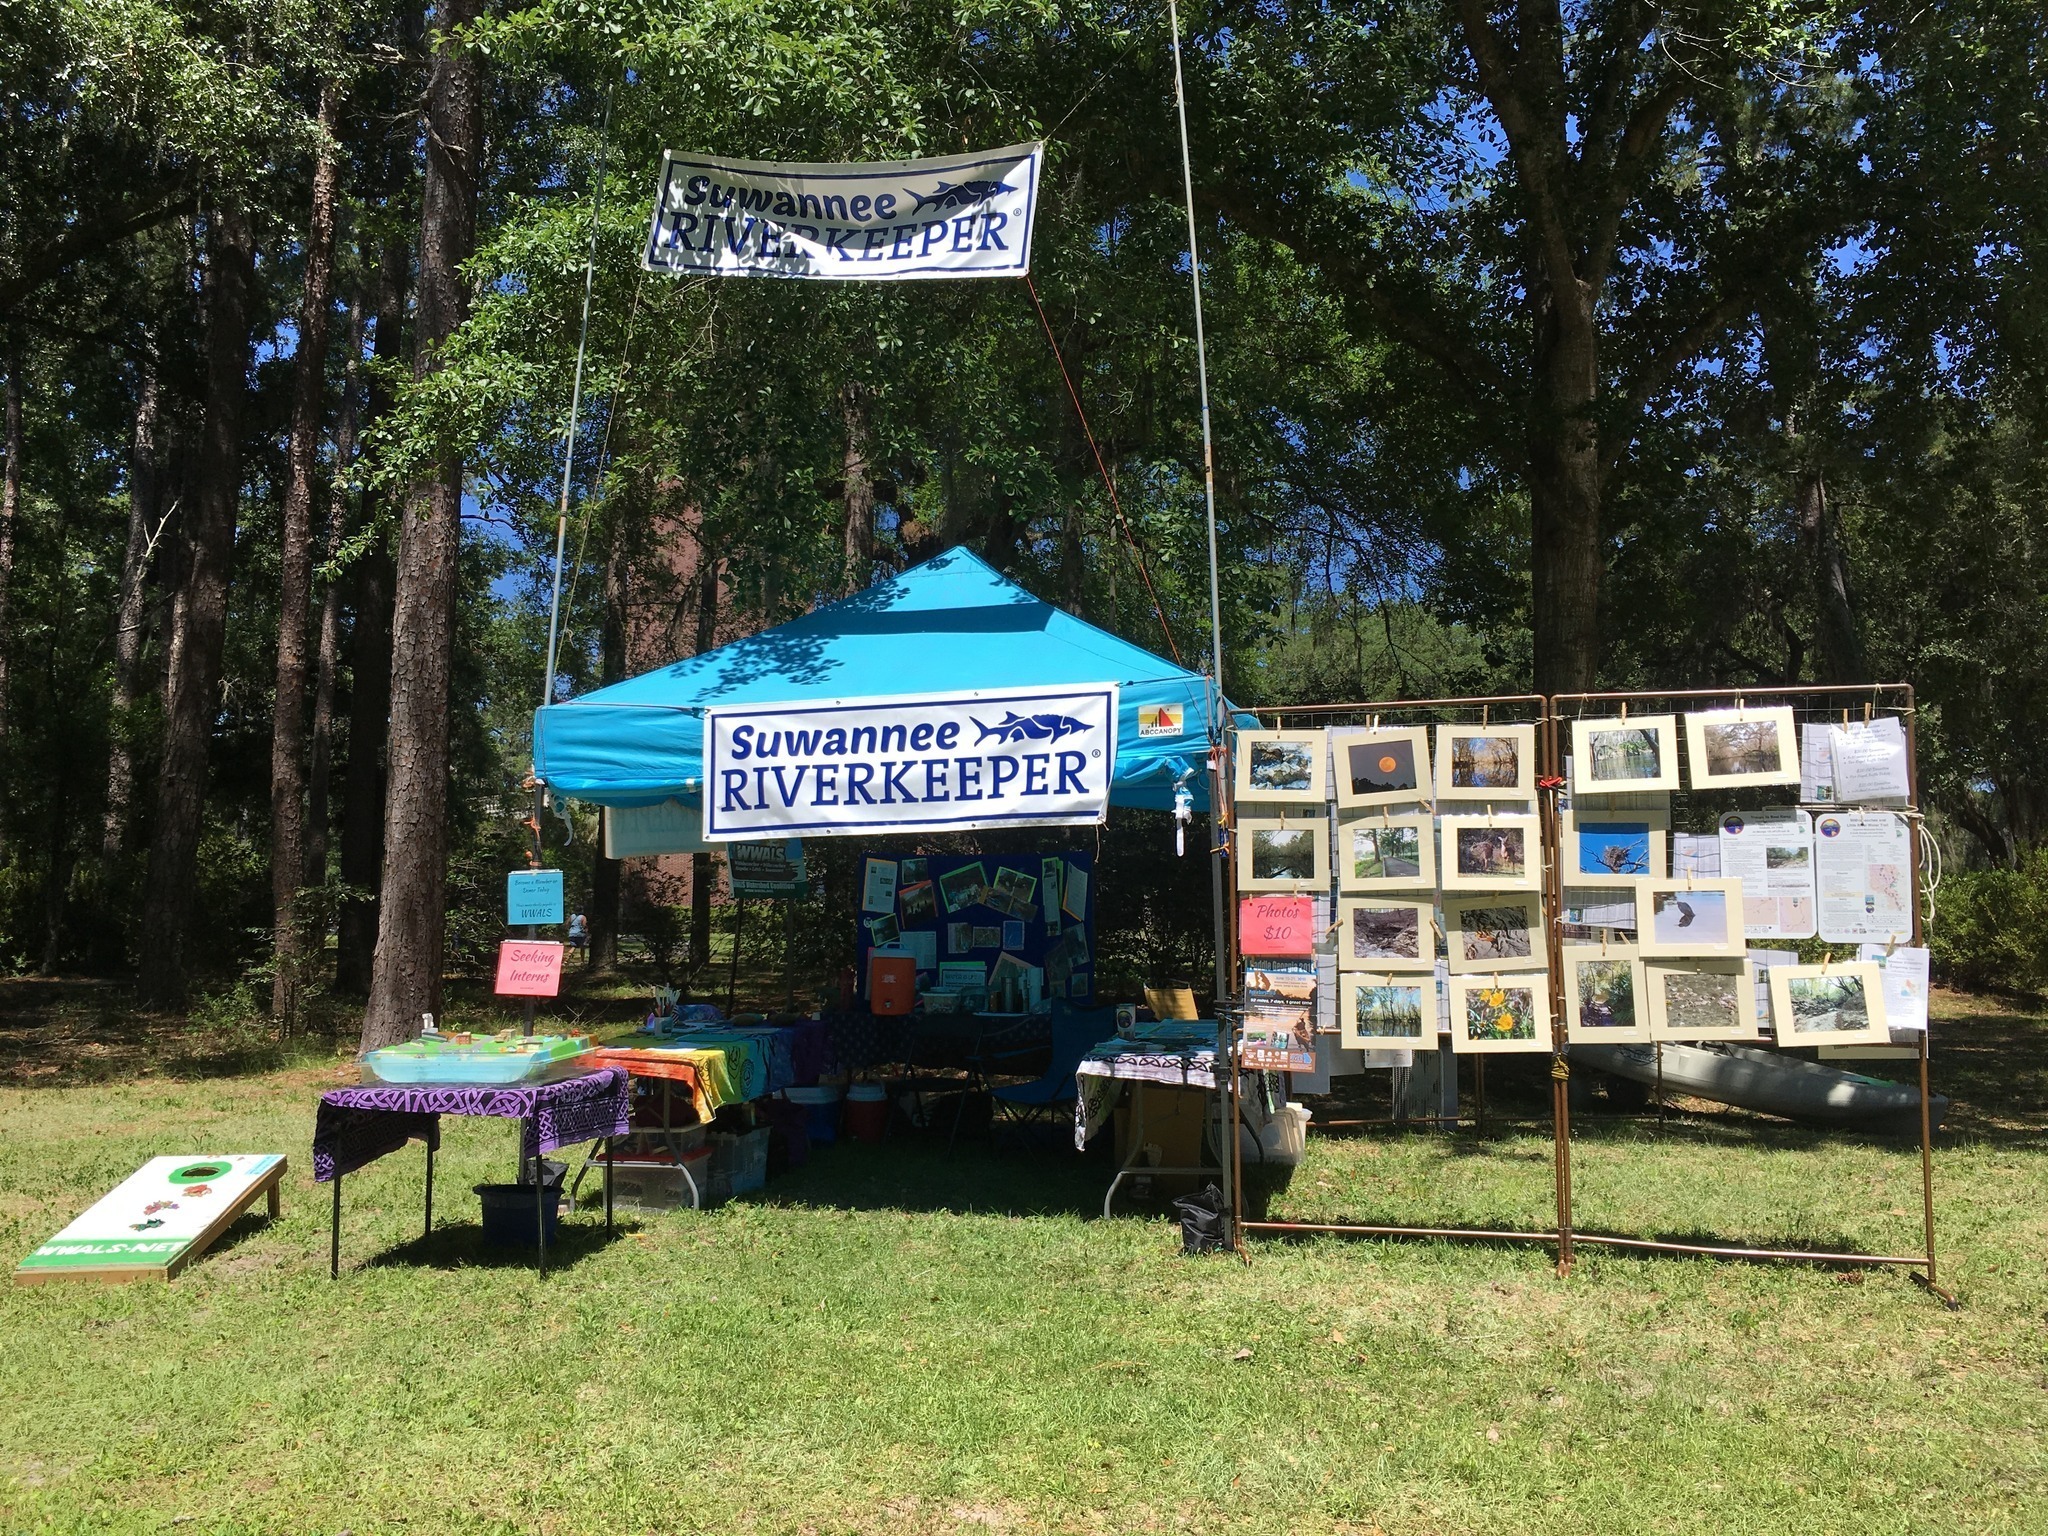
x=533 y=896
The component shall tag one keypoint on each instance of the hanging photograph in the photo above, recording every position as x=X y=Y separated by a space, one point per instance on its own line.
x=1509 y=1011
x=1700 y=1000
x=1734 y=748
x=1380 y=935
x=1841 y=1003
x=1619 y=756
x=1381 y=1012
x=1281 y=767
x=1689 y=917
x=1493 y=853
x=1382 y=767
x=1603 y=994
x=1389 y=853
x=1625 y=846
x=1486 y=762
x=1282 y=855
x=1485 y=933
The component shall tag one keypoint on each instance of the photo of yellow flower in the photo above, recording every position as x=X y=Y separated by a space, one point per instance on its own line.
x=1500 y=1012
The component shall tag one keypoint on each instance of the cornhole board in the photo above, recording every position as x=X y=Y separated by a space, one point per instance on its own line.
x=157 y=1220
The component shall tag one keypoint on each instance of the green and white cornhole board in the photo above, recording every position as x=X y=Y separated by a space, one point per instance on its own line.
x=157 y=1220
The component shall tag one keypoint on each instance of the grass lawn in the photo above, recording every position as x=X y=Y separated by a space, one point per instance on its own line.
x=895 y=1339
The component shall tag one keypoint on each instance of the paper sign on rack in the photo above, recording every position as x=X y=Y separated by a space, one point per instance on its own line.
x=1870 y=761
x=1863 y=861
x=1771 y=853
x=1277 y=926
x=1905 y=985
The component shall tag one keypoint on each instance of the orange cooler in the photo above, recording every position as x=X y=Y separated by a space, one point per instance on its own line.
x=892 y=983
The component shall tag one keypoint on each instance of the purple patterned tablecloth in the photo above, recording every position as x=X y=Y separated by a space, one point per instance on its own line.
x=355 y=1126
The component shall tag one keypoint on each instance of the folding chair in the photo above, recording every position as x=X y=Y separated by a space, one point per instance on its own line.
x=1073 y=1034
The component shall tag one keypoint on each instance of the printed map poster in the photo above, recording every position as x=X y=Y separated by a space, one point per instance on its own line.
x=1864 y=864
x=155 y=1221
x=1771 y=853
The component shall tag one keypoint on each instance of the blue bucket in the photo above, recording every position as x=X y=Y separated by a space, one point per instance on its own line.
x=508 y=1214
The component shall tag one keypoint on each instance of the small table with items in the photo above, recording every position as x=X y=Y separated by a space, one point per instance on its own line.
x=1178 y=1053
x=356 y=1126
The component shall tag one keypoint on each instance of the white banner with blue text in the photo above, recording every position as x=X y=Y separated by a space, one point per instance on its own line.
x=897 y=221
x=939 y=762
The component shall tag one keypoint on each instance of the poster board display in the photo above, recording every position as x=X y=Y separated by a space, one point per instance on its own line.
x=1281 y=767
x=1388 y=1010
x=1283 y=855
x=1703 y=999
x=1603 y=994
x=157 y=1220
x=971 y=919
x=1496 y=852
x=1376 y=933
x=1689 y=917
x=1500 y=1012
x=1742 y=748
x=774 y=868
x=1771 y=853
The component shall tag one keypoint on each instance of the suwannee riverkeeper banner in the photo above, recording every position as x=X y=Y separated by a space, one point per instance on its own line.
x=897 y=221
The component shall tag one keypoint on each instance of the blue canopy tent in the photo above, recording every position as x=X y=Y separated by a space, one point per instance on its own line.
x=951 y=624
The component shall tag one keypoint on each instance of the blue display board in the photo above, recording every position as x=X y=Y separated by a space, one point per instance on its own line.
x=976 y=909
x=533 y=896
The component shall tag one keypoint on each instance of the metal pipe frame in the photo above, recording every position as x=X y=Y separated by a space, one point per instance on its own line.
x=1551 y=718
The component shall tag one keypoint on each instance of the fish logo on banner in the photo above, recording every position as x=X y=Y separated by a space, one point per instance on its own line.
x=895 y=221
x=916 y=763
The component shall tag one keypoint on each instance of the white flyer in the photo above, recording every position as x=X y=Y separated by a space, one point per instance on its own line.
x=1760 y=963
x=1905 y=985
x=1816 y=764
x=1870 y=761
x=1863 y=864
x=1771 y=852
x=1697 y=854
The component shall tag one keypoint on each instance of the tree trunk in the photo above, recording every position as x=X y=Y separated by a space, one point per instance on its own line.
x=604 y=874
x=860 y=489
x=10 y=509
x=1838 y=645
x=326 y=656
x=295 y=584
x=411 y=920
x=131 y=609
x=199 y=618
x=1565 y=475
x=702 y=875
x=362 y=790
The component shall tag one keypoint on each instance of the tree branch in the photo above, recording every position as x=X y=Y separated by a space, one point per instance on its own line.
x=85 y=238
x=1682 y=347
x=1645 y=131
x=1499 y=66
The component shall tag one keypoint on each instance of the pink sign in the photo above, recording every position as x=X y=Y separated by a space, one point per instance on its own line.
x=529 y=968
x=1276 y=925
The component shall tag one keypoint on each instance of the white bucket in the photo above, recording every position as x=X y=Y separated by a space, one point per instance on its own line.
x=1279 y=1141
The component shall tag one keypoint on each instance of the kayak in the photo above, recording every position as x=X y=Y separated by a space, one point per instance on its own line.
x=1768 y=1082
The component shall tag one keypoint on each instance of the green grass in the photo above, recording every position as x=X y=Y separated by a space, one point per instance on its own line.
x=898 y=1340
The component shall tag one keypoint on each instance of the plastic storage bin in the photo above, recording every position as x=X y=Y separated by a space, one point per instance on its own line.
x=654 y=1186
x=740 y=1161
x=508 y=1214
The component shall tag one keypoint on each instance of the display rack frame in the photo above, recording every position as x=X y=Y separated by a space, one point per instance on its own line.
x=1554 y=727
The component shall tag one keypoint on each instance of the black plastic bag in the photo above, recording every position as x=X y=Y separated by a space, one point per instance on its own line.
x=1204 y=1221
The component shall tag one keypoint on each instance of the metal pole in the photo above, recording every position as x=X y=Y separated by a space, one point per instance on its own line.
x=547 y=684
x=1187 y=178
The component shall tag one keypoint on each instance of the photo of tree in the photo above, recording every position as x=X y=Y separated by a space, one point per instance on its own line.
x=1485 y=762
x=1386 y=853
x=1625 y=755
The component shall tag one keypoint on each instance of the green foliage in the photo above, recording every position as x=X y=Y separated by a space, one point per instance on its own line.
x=1991 y=927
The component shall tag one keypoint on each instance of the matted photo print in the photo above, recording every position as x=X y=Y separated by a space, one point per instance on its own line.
x=1603 y=994
x=1689 y=917
x=1387 y=853
x=1386 y=1012
x=1381 y=767
x=1737 y=748
x=1281 y=767
x=1491 y=933
x=1486 y=762
x=1507 y=1011
x=1282 y=855
x=1840 y=1003
x=1493 y=853
x=1623 y=756
x=1380 y=934
x=1700 y=1000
